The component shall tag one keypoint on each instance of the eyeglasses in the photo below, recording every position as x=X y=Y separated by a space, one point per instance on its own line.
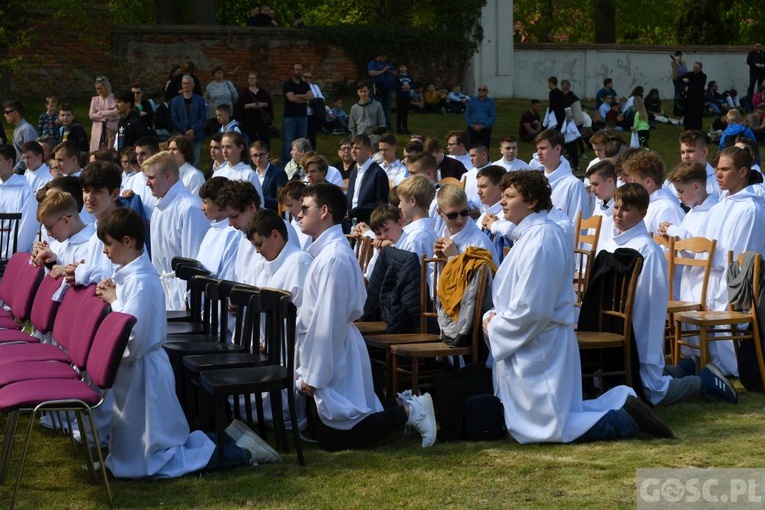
x=483 y=90
x=344 y=149
x=48 y=229
x=259 y=154
x=8 y=112
x=453 y=215
x=452 y=144
x=304 y=208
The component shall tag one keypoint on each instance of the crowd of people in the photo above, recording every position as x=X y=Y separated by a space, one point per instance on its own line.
x=139 y=200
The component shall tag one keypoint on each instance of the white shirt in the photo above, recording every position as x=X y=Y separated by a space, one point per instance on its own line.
x=663 y=207
x=361 y=171
x=241 y=172
x=38 y=178
x=192 y=178
x=217 y=252
x=568 y=193
x=396 y=171
x=512 y=166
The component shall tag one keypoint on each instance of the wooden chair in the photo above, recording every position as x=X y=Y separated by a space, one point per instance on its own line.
x=707 y=322
x=584 y=252
x=430 y=350
x=695 y=246
x=362 y=247
x=428 y=310
x=616 y=303
x=667 y=245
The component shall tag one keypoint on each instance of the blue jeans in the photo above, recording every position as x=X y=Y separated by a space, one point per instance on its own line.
x=615 y=424
x=232 y=455
x=385 y=99
x=292 y=129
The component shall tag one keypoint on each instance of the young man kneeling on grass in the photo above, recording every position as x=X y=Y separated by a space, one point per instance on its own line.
x=531 y=334
x=149 y=433
x=332 y=364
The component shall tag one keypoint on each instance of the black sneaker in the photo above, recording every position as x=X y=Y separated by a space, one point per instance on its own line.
x=716 y=386
x=646 y=418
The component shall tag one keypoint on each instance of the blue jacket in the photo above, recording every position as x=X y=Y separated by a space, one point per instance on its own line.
x=481 y=112
x=194 y=120
x=733 y=130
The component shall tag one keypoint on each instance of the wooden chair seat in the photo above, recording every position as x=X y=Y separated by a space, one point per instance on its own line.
x=599 y=340
x=386 y=341
x=683 y=306
x=712 y=318
x=428 y=350
x=371 y=327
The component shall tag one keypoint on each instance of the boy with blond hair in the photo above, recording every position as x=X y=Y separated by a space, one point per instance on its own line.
x=416 y=193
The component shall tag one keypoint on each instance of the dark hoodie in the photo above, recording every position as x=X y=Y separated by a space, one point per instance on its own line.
x=77 y=134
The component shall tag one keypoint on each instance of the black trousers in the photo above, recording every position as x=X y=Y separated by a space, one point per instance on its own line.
x=403 y=105
x=365 y=434
x=483 y=136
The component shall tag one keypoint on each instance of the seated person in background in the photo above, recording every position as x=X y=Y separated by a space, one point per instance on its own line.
x=456 y=101
x=332 y=368
x=662 y=385
x=530 y=332
x=530 y=124
x=338 y=119
x=418 y=99
x=150 y=436
x=755 y=121
x=435 y=100
x=731 y=99
x=734 y=129
x=713 y=101
x=647 y=169
x=605 y=106
x=459 y=231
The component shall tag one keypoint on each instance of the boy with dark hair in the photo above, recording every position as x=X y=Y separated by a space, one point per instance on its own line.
x=387 y=224
x=16 y=196
x=662 y=385
x=602 y=181
x=568 y=193
x=182 y=150
x=71 y=129
x=332 y=366
x=368 y=184
x=227 y=124
x=693 y=147
x=23 y=131
x=150 y=436
x=217 y=253
x=508 y=146
x=130 y=127
x=37 y=172
x=67 y=156
x=366 y=114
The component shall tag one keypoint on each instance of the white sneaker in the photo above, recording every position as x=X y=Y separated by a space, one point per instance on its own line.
x=237 y=429
x=260 y=451
x=422 y=417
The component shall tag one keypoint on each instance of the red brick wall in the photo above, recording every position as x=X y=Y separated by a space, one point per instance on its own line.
x=62 y=63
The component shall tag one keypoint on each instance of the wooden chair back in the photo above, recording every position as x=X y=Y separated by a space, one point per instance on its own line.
x=696 y=246
x=667 y=244
x=362 y=247
x=429 y=274
x=588 y=232
x=587 y=235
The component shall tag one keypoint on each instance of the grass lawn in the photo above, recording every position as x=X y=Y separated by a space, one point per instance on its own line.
x=400 y=474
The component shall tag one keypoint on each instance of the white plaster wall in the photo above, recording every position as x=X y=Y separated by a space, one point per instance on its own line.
x=586 y=67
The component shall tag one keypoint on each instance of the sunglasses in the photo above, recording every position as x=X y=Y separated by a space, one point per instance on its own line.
x=453 y=215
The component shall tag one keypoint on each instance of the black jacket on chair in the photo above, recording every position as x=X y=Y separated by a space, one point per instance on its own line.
x=393 y=291
x=605 y=268
x=374 y=192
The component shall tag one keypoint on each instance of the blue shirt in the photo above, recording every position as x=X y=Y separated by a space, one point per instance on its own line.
x=481 y=112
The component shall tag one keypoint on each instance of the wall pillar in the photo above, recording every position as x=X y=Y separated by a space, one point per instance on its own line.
x=493 y=62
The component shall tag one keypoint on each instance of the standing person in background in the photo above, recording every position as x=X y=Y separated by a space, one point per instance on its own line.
x=316 y=109
x=756 y=62
x=23 y=131
x=188 y=113
x=695 y=82
x=557 y=101
x=70 y=128
x=254 y=110
x=480 y=115
x=679 y=68
x=174 y=86
x=297 y=95
x=219 y=91
x=103 y=113
x=404 y=87
x=144 y=106
x=383 y=77
x=48 y=123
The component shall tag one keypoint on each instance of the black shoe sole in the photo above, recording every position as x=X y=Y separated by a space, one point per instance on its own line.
x=646 y=418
